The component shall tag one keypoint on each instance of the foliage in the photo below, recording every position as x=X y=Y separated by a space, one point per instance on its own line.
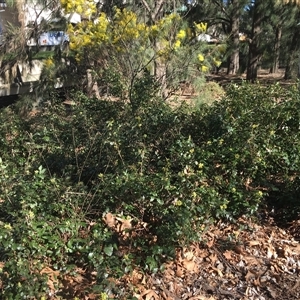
x=107 y=187
x=129 y=46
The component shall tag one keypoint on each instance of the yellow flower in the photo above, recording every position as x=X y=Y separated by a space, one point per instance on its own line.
x=72 y=46
x=223 y=207
x=154 y=28
x=200 y=57
x=177 y=44
x=217 y=62
x=31 y=215
x=49 y=62
x=181 y=34
x=7 y=226
x=200 y=27
x=204 y=68
x=178 y=203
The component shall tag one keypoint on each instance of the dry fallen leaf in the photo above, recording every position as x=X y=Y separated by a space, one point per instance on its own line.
x=110 y=220
x=202 y=298
x=125 y=225
x=253 y=243
x=272 y=293
x=249 y=276
x=149 y=294
x=179 y=271
x=271 y=253
x=210 y=243
x=189 y=255
x=228 y=254
x=189 y=265
x=52 y=277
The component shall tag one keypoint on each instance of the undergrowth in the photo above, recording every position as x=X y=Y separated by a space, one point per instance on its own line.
x=108 y=187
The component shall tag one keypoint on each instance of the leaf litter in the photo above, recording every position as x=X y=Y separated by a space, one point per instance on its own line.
x=245 y=261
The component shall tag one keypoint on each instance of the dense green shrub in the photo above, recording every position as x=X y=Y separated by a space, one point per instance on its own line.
x=169 y=171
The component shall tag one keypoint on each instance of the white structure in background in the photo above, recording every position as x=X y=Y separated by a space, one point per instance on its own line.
x=203 y=37
x=207 y=38
x=22 y=77
x=35 y=14
x=50 y=38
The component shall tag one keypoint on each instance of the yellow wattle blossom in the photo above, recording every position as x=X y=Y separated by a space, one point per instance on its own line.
x=200 y=57
x=204 y=68
x=87 y=7
x=177 y=44
x=217 y=62
x=49 y=62
x=200 y=27
x=181 y=34
x=154 y=29
x=123 y=33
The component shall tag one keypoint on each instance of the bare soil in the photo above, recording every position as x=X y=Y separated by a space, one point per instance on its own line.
x=264 y=77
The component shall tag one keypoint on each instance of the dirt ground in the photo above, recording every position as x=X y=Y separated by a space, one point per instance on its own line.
x=264 y=77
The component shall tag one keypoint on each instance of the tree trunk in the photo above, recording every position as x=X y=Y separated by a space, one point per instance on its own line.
x=292 y=54
x=160 y=69
x=234 y=63
x=275 y=66
x=255 y=54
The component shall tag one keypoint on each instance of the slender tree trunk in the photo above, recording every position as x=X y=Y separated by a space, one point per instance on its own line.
x=292 y=54
x=234 y=63
x=160 y=70
x=277 y=43
x=255 y=54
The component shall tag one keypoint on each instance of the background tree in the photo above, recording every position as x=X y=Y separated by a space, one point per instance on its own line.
x=223 y=18
x=260 y=12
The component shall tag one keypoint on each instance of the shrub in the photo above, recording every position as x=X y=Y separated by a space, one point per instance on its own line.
x=107 y=188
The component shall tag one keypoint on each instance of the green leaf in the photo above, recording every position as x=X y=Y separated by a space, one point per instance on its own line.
x=108 y=250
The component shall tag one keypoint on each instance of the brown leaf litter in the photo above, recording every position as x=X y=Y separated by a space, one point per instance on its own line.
x=245 y=261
